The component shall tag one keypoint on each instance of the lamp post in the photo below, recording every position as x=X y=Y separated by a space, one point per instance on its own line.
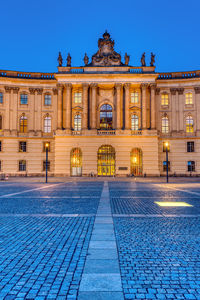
x=47 y=150
x=166 y=147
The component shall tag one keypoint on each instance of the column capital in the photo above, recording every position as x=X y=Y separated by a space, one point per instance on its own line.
x=152 y=86
x=94 y=85
x=15 y=90
x=85 y=85
x=7 y=89
x=173 y=91
x=144 y=85
x=55 y=91
x=127 y=85
x=118 y=85
x=180 y=91
x=39 y=91
x=68 y=85
x=157 y=91
x=32 y=91
x=197 y=89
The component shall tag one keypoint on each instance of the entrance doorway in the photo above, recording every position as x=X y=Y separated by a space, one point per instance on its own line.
x=136 y=162
x=106 y=161
x=76 y=162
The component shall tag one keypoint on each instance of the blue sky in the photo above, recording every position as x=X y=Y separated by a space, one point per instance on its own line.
x=33 y=32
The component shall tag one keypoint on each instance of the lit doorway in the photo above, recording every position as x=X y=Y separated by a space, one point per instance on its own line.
x=76 y=162
x=136 y=162
x=106 y=161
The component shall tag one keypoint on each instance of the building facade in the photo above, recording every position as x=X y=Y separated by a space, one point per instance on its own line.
x=106 y=118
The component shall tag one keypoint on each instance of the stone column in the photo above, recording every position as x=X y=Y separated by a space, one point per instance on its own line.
x=55 y=109
x=38 y=118
x=7 y=121
x=153 y=106
x=85 y=106
x=60 y=107
x=68 y=102
x=118 y=88
x=173 y=106
x=197 y=105
x=32 y=110
x=127 y=99
x=144 y=105
x=15 y=120
x=93 y=106
x=179 y=112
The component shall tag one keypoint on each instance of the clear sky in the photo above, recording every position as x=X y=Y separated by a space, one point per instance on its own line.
x=33 y=32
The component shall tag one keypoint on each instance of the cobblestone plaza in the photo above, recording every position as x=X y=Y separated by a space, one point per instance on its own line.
x=95 y=239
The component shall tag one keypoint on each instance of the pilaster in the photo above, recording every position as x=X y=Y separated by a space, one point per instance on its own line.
x=85 y=106
x=118 y=88
x=94 y=106
x=127 y=99
x=144 y=105
x=153 y=106
x=68 y=103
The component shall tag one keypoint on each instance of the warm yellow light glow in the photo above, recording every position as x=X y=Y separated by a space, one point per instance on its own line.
x=134 y=160
x=172 y=204
x=166 y=144
x=46 y=145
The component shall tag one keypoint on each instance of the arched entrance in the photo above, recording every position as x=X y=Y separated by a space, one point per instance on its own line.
x=106 y=161
x=76 y=162
x=136 y=162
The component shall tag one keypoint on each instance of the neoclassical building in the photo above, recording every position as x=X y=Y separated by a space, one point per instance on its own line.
x=105 y=118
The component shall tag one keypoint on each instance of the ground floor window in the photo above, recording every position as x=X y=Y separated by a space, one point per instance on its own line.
x=22 y=165
x=191 y=166
x=76 y=162
x=190 y=146
x=106 y=161
x=22 y=146
x=136 y=162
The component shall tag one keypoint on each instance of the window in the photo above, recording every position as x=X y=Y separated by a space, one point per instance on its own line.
x=1 y=97
x=47 y=99
x=165 y=166
x=165 y=125
x=106 y=117
x=0 y=147
x=77 y=122
x=24 y=99
x=164 y=147
x=188 y=98
x=191 y=166
x=134 y=97
x=77 y=97
x=47 y=124
x=22 y=165
x=164 y=99
x=189 y=124
x=190 y=146
x=23 y=124
x=44 y=165
x=1 y=123
x=22 y=146
x=134 y=122
x=44 y=147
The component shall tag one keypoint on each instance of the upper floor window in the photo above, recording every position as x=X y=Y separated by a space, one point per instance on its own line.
x=77 y=97
x=77 y=122
x=106 y=117
x=1 y=97
x=22 y=146
x=165 y=125
x=189 y=124
x=190 y=146
x=1 y=123
x=47 y=124
x=22 y=165
x=134 y=122
x=134 y=97
x=191 y=166
x=188 y=98
x=24 y=99
x=164 y=99
x=23 y=124
x=47 y=99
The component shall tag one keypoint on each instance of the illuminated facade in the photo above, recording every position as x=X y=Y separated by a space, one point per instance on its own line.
x=105 y=118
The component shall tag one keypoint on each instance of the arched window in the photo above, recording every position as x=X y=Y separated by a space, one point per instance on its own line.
x=106 y=161
x=136 y=162
x=77 y=122
x=1 y=125
x=189 y=124
x=47 y=124
x=76 y=162
x=165 y=124
x=23 y=124
x=106 y=116
x=134 y=122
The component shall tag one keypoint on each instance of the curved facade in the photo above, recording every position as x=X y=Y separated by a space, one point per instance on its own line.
x=104 y=103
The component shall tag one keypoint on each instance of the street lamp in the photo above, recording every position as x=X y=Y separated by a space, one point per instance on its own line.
x=166 y=149
x=47 y=150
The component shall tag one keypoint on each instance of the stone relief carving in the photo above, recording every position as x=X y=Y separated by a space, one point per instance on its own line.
x=106 y=56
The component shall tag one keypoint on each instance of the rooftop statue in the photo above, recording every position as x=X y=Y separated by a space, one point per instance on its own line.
x=69 y=60
x=152 y=59
x=86 y=59
x=106 y=56
x=127 y=58
x=143 y=63
x=60 y=60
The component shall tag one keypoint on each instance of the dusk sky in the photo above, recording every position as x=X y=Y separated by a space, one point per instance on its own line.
x=33 y=32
